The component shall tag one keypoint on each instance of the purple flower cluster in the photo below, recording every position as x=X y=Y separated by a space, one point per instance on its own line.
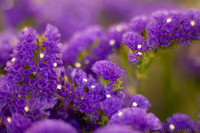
x=137 y=118
x=41 y=94
x=91 y=45
x=179 y=122
x=162 y=28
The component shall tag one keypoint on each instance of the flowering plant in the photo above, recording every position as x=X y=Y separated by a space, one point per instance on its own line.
x=49 y=87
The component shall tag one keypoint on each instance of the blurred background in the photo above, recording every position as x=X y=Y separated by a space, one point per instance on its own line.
x=173 y=80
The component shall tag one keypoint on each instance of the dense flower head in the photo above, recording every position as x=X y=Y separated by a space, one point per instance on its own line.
x=32 y=77
x=115 y=129
x=139 y=101
x=51 y=126
x=137 y=118
x=179 y=122
x=108 y=70
x=163 y=28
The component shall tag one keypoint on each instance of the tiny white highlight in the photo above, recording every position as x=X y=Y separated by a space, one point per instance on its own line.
x=9 y=119
x=169 y=20
x=112 y=42
x=26 y=108
x=55 y=64
x=139 y=53
x=108 y=95
x=93 y=86
x=119 y=28
x=59 y=87
x=13 y=59
x=85 y=80
x=192 y=23
x=41 y=55
x=139 y=46
x=120 y=114
x=134 y=104
x=171 y=127
x=77 y=65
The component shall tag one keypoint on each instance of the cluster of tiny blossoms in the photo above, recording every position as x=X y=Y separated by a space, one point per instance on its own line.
x=46 y=89
x=161 y=29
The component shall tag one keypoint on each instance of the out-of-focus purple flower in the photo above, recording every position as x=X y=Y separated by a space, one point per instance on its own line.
x=139 y=101
x=108 y=70
x=111 y=105
x=137 y=118
x=115 y=33
x=179 y=122
x=138 y=24
x=115 y=129
x=8 y=42
x=80 y=42
x=51 y=126
x=17 y=123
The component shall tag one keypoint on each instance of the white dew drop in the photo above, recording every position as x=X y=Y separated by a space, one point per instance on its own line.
x=192 y=23
x=112 y=42
x=41 y=55
x=93 y=86
x=139 y=46
x=85 y=80
x=171 y=127
x=108 y=95
x=55 y=64
x=134 y=104
x=120 y=114
x=119 y=28
x=169 y=20
x=77 y=65
x=26 y=108
x=9 y=119
x=59 y=87
x=13 y=59
x=139 y=53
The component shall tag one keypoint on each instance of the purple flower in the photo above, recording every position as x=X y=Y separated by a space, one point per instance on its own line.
x=51 y=126
x=108 y=70
x=8 y=42
x=17 y=123
x=115 y=129
x=139 y=101
x=111 y=105
x=115 y=33
x=137 y=118
x=179 y=122
x=138 y=24
x=132 y=40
